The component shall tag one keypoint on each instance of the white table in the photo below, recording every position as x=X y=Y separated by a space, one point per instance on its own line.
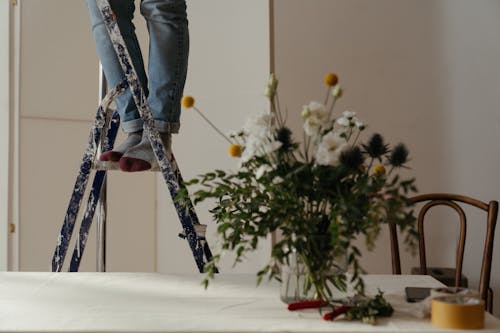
x=141 y=302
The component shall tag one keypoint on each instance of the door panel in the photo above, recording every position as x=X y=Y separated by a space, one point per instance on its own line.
x=58 y=101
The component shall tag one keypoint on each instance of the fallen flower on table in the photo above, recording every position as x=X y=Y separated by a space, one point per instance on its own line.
x=358 y=307
x=336 y=312
x=309 y=304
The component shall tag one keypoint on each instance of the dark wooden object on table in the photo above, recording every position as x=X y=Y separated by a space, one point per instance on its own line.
x=452 y=200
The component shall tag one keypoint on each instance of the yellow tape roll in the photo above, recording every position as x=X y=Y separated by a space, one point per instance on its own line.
x=457 y=312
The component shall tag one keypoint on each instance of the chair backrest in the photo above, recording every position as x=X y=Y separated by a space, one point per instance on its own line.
x=452 y=200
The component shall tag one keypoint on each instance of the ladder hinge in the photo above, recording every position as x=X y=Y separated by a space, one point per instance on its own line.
x=12 y=228
x=14 y=2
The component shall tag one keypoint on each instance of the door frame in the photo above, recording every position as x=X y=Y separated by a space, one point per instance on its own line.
x=9 y=133
x=4 y=131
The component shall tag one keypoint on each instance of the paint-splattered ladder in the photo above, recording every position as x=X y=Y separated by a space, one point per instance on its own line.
x=102 y=137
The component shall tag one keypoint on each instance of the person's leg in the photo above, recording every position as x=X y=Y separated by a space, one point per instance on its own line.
x=130 y=119
x=168 y=59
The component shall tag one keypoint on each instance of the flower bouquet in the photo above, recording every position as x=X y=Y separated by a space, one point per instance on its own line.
x=318 y=195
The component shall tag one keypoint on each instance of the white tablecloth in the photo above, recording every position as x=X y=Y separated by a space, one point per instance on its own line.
x=142 y=302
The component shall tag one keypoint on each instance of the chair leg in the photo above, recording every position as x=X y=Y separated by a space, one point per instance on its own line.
x=489 y=301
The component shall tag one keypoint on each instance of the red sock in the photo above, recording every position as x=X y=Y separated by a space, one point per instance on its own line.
x=111 y=156
x=130 y=164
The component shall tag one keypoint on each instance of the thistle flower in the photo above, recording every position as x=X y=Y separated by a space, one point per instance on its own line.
x=284 y=135
x=399 y=155
x=376 y=147
x=331 y=79
x=352 y=158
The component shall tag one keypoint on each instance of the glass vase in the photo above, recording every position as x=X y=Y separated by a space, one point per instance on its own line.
x=293 y=279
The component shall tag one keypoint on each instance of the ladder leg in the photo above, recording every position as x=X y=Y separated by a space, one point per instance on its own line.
x=76 y=199
x=93 y=200
x=82 y=180
x=101 y=228
x=182 y=207
x=102 y=203
x=190 y=208
x=87 y=221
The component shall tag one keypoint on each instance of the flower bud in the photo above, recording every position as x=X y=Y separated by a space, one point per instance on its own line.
x=337 y=91
x=187 y=102
x=234 y=150
x=306 y=113
x=272 y=85
x=379 y=170
x=331 y=79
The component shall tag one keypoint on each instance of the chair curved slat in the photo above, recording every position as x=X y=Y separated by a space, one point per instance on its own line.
x=430 y=200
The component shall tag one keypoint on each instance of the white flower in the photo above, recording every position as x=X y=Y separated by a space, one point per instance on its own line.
x=259 y=146
x=359 y=123
x=277 y=180
x=252 y=146
x=262 y=170
x=305 y=113
x=259 y=125
x=311 y=129
x=348 y=114
x=317 y=112
x=342 y=121
x=316 y=116
x=270 y=145
x=330 y=148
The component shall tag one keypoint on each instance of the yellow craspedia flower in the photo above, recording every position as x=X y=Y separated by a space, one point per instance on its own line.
x=187 y=102
x=379 y=170
x=235 y=150
x=331 y=79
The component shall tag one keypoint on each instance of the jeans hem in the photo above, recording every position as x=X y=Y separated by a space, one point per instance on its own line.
x=161 y=125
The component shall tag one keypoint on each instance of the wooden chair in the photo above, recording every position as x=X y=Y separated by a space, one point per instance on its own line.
x=452 y=200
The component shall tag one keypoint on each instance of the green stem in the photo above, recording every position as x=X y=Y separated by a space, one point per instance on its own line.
x=211 y=124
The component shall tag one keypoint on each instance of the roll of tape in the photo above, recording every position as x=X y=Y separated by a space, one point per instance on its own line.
x=459 y=312
x=453 y=291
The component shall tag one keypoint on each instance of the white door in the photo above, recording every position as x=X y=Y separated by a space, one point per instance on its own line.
x=58 y=99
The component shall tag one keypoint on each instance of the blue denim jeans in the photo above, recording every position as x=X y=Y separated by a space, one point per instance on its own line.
x=168 y=56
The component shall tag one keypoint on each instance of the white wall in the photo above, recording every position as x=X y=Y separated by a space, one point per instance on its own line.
x=228 y=70
x=422 y=72
x=4 y=130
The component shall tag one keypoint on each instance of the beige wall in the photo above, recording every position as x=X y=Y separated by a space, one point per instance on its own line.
x=422 y=72
x=228 y=69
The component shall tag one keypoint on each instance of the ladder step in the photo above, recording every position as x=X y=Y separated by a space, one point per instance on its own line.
x=112 y=166
x=199 y=229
